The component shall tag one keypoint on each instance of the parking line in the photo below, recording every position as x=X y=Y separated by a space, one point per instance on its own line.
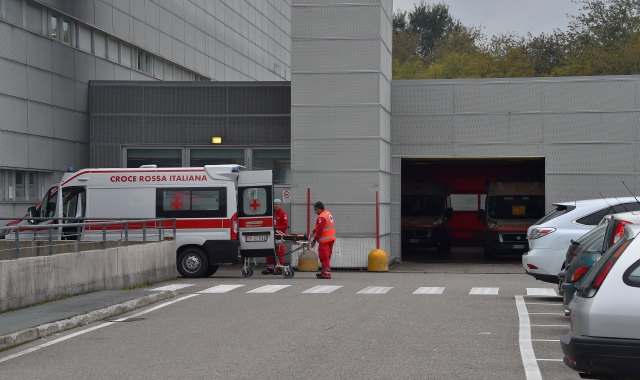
x=171 y=287
x=429 y=290
x=545 y=340
x=492 y=291
x=375 y=290
x=541 y=292
x=531 y=369
x=544 y=303
x=220 y=289
x=549 y=360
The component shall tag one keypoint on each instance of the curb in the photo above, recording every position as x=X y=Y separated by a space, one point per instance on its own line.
x=47 y=329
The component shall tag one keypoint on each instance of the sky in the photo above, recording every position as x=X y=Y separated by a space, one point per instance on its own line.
x=503 y=16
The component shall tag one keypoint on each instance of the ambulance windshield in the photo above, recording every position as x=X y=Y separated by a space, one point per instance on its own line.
x=422 y=205
x=516 y=207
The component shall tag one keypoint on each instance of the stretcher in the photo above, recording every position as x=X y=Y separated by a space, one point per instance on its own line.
x=301 y=241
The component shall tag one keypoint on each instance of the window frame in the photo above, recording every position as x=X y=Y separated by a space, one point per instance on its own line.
x=192 y=214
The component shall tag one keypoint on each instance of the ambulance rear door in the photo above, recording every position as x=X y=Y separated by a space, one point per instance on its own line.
x=255 y=213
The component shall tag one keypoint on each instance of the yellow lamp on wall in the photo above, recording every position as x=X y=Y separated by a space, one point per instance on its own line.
x=216 y=140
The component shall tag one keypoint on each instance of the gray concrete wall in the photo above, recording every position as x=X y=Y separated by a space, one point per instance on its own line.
x=32 y=280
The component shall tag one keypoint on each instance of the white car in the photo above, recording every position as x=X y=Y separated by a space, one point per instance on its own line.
x=550 y=237
x=604 y=339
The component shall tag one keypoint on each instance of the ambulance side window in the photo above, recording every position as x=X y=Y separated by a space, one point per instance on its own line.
x=191 y=202
x=48 y=207
x=255 y=201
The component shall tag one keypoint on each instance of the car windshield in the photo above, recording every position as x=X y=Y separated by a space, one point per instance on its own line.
x=422 y=205
x=516 y=207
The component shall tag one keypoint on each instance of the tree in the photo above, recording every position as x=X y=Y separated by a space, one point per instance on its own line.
x=432 y=23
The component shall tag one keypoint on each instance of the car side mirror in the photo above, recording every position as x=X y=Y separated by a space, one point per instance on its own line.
x=32 y=212
x=449 y=213
x=482 y=215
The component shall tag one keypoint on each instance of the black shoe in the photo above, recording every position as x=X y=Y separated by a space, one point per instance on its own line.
x=277 y=273
x=267 y=271
x=321 y=277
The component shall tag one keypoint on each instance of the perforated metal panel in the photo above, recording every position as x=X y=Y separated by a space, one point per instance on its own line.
x=14 y=115
x=589 y=158
x=335 y=89
x=350 y=121
x=481 y=128
x=65 y=154
x=64 y=123
x=591 y=127
x=39 y=85
x=182 y=129
x=186 y=100
x=498 y=150
x=117 y=99
x=422 y=129
x=343 y=21
x=332 y=154
x=341 y=55
x=41 y=153
x=587 y=95
x=259 y=130
x=108 y=129
x=14 y=148
x=498 y=97
x=411 y=97
x=571 y=186
x=260 y=100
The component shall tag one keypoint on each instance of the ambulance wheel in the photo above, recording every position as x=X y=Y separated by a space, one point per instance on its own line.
x=192 y=263
x=288 y=273
x=247 y=272
x=212 y=269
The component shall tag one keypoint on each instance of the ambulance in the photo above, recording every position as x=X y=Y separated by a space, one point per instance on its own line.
x=426 y=214
x=510 y=209
x=222 y=212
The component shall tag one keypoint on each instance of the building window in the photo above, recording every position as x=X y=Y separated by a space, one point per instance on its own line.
x=13 y=11
x=202 y=157
x=53 y=28
x=163 y=158
x=34 y=18
x=99 y=45
x=66 y=32
x=84 y=38
x=3 y=191
x=278 y=160
x=112 y=50
x=125 y=55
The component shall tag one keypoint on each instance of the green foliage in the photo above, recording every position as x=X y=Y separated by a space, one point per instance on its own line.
x=604 y=39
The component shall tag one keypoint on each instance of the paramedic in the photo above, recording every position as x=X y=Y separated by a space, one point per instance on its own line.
x=282 y=223
x=325 y=236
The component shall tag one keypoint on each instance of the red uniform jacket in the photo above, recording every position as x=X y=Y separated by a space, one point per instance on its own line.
x=282 y=221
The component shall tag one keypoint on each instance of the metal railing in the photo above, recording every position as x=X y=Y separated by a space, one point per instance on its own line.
x=77 y=231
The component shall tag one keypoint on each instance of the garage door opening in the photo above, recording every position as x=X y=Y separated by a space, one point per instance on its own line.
x=448 y=217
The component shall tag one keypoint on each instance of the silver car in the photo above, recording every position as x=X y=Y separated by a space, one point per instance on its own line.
x=604 y=339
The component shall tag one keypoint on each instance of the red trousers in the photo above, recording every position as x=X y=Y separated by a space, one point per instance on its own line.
x=324 y=254
x=270 y=260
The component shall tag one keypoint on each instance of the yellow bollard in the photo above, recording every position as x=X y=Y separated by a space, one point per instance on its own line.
x=308 y=261
x=378 y=261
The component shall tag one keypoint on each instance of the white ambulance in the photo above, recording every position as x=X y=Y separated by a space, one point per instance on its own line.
x=223 y=213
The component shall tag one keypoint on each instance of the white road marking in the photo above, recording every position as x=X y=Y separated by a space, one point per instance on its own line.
x=322 y=289
x=429 y=290
x=545 y=292
x=268 y=289
x=567 y=326
x=484 y=291
x=171 y=287
x=549 y=360
x=375 y=290
x=220 y=289
x=531 y=369
x=544 y=303
x=545 y=340
x=55 y=341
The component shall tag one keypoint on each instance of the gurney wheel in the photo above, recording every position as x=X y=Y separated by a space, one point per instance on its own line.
x=247 y=272
x=288 y=273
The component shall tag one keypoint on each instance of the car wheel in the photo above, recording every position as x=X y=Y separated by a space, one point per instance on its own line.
x=192 y=263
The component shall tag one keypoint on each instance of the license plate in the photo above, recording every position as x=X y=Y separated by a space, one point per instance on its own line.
x=414 y=240
x=518 y=246
x=257 y=237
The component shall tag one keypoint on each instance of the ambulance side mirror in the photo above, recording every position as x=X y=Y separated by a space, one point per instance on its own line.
x=32 y=212
x=482 y=215
x=449 y=213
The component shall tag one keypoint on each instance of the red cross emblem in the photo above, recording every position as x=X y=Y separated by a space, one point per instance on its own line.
x=255 y=205
x=176 y=204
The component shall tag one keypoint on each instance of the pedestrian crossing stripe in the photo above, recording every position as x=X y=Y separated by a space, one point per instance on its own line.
x=171 y=287
x=322 y=289
x=374 y=290
x=429 y=290
x=220 y=289
x=268 y=289
x=544 y=292
x=491 y=291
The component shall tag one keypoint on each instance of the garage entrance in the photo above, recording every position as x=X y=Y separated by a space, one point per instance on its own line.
x=455 y=233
